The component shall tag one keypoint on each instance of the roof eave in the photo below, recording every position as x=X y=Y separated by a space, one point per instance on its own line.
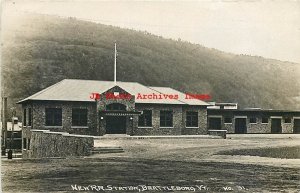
x=26 y=100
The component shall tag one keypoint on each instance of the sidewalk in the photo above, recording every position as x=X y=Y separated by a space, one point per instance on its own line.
x=14 y=156
x=124 y=136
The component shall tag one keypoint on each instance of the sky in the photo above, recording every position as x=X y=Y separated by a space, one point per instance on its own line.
x=255 y=27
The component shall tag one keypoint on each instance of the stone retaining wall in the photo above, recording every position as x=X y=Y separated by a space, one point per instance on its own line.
x=179 y=118
x=45 y=144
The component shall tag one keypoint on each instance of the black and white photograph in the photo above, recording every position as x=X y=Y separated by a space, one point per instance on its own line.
x=150 y=96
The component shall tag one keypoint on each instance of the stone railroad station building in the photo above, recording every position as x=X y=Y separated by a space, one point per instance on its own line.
x=68 y=107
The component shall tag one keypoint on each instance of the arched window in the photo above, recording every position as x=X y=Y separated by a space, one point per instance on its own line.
x=116 y=107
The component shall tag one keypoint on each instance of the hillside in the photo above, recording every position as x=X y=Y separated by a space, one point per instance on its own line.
x=40 y=50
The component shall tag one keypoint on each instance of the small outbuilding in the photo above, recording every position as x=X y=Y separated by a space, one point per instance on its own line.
x=254 y=120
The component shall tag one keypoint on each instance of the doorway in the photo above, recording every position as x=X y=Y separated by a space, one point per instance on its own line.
x=116 y=125
x=296 y=126
x=240 y=125
x=276 y=125
x=214 y=123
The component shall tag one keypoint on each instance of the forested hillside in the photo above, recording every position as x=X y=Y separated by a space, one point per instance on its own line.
x=39 y=50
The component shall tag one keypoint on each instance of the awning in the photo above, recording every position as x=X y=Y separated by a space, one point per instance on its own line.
x=120 y=113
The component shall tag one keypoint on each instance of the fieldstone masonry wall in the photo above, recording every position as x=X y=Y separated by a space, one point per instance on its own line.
x=156 y=129
x=229 y=127
x=103 y=102
x=179 y=117
x=38 y=116
x=45 y=144
x=202 y=121
x=287 y=127
x=258 y=127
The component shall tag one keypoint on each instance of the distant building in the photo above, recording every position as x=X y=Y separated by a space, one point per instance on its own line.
x=215 y=105
x=254 y=120
x=14 y=134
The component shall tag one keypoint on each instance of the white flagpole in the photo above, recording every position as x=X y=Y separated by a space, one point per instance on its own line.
x=115 y=66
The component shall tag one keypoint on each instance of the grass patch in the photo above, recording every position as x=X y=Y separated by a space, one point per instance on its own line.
x=59 y=175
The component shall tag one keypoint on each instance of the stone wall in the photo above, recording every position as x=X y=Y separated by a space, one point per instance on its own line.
x=103 y=102
x=156 y=129
x=39 y=116
x=45 y=144
x=260 y=127
x=257 y=127
x=287 y=127
x=229 y=127
x=179 y=118
x=202 y=120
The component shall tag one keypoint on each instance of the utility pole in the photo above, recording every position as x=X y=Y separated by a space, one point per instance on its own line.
x=10 y=151
x=4 y=126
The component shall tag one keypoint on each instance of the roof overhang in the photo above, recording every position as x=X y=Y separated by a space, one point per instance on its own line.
x=120 y=113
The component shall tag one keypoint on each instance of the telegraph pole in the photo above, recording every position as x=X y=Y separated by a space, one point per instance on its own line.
x=4 y=126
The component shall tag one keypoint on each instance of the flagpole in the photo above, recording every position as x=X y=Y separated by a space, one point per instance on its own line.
x=115 y=65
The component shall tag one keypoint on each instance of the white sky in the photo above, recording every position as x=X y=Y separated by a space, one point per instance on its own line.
x=265 y=28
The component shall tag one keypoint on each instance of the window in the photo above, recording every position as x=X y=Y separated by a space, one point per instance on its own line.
x=15 y=121
x=252 y=120
x=79 y=117
x=287 y=120
x=228 y=120
x=29 y=117
x=18 y=134
x=24 y=143
x=116 y=107
x=53 y=117
x=264 y=120
x=166 y=119
x=145 y=119
x=24 y=117
x=28 y=144
x=191 y=119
